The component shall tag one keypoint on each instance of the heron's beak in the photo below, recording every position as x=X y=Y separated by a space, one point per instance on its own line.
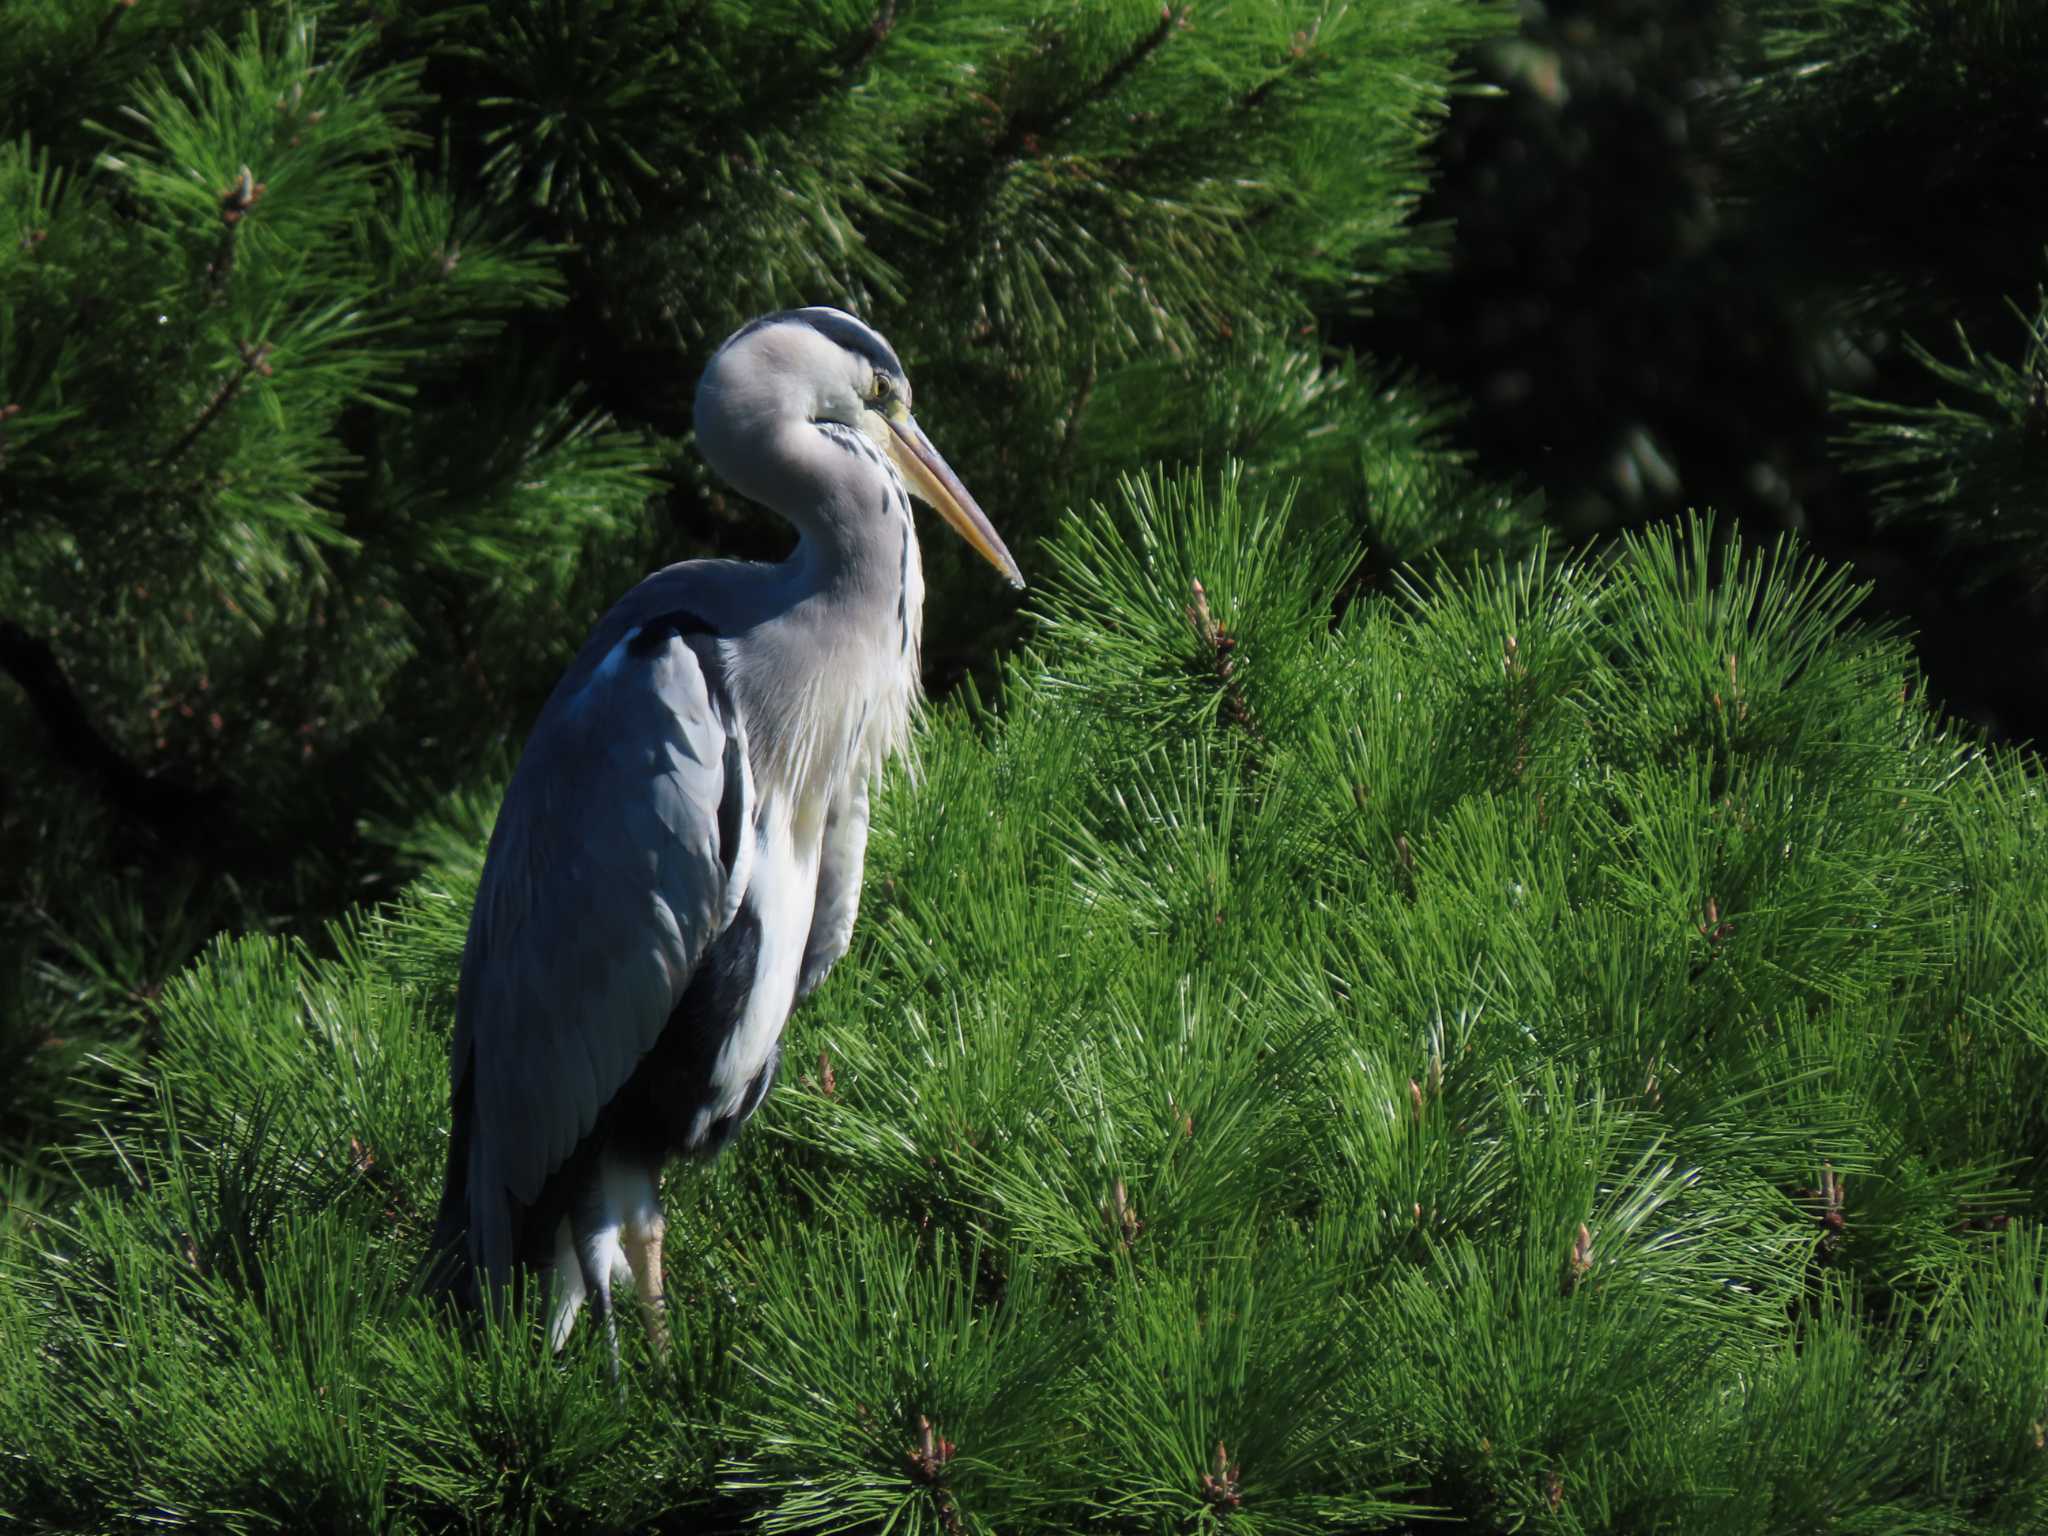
x=926 y=474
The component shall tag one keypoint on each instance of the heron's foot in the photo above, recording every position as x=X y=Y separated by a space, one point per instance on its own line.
x=643 y=1253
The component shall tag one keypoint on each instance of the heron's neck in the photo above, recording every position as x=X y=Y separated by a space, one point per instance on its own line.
x=839 y=665
x=863 y=572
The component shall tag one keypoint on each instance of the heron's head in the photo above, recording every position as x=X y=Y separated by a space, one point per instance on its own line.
x=771 y=414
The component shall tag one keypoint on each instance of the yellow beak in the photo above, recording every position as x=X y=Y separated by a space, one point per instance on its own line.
x=928 y=477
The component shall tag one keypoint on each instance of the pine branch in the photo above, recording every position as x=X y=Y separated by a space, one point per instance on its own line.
x=1027 y=129
x=159 y=802
x=1221 y=647
x=862 y=47
x=1070 y=429
x=107 y=24
x=1301 y=62
x=255 y=360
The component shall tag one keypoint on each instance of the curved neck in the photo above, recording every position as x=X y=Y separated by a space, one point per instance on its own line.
x=871 y=567
x=855 y=538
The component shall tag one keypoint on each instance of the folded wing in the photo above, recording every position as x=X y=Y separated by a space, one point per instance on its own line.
x=619 y=854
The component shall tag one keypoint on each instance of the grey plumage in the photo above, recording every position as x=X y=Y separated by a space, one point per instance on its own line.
x=678 y=858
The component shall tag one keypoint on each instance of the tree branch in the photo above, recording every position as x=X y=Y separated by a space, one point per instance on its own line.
x=255 y=359
x=1026 y=127
x=162 y=803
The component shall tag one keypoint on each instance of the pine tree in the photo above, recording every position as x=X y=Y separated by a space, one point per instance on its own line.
x=345 y=352
x=1560 y=1048
x=1527 y=1041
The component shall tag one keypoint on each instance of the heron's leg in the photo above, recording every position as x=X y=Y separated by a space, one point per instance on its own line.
x=636 y=1190
x=643 y=1252
x=568 y=1270
x=597 y=1280
x=595 y=1226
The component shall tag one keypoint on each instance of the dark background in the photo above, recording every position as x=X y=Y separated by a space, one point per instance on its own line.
x=1657 y=283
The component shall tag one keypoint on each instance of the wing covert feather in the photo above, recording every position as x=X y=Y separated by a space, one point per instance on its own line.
x=602 y=889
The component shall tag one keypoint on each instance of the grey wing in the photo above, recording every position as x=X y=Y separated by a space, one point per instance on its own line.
x=839 y=873
x=618 y=856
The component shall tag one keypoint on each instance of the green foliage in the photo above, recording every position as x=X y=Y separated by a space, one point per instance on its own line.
x=1560 y=1046
x=1969 y=465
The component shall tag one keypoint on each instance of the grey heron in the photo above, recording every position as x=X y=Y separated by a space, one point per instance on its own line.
x=677 y=862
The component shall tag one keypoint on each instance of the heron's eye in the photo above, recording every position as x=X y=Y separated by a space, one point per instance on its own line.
x=881 y=389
